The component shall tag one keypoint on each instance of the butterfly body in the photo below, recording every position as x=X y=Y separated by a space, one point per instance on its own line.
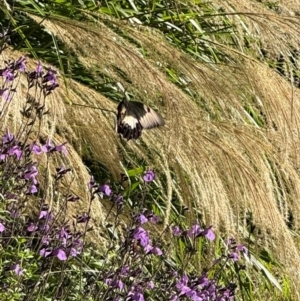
x=133 y=117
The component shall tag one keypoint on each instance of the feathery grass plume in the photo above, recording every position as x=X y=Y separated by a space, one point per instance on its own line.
x=37 y=248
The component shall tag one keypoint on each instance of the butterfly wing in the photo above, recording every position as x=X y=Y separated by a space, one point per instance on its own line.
x=147 y=117
x=133 y=116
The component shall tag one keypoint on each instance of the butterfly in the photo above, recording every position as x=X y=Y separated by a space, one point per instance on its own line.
x=133 y=117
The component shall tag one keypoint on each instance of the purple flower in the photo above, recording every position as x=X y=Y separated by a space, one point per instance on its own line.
x=194 y=231
x=124 y=270
x=39 y=68
x=120 y=284
x=43 y=213
x=15 y=150
x=36 y=149
x=45 y=228
x=50 y=76
x=149 y=176
x=119 y=200
x=74 y=252
x=154 y=219
x=32 y=227
x=38 y=72
x=142 y=219
x=46 y=240
x=203 y=280
x=183 y=289
x=176 y=231
x=148 y=248
x=45 y=252
x=105 y=189
x=5 y=94
x=137 y=297
x=141 y=235
x=8 y=75
x=78 y=245
x=234 y=256
x=30 y=173
x=2 y=228
x=3 y=157
x=48 y=146
x=193 y=295
x=153 y=250
x=63 y=233
x=114 y=283
x=150 y=284
x=183 y=280
x=242 y=249
x=17 y=269
x=32 y=189
x=156 y=251
x=62 y=148
x=49 y=80
x=51 y=87
x=20 y=64
x=181 y=285
x=209 y=234
x=60 y=254
x=8 y=137
x=135 y=294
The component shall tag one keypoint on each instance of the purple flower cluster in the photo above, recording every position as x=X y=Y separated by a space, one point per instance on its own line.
x=17 y=157
x=61 y=242
x=129 y=281
x=48 y=147
x=233 y=250
x=99 y=189
x=128 y=284
x=47 y=81
x=142 y=268
x=47 y=235
x=141 y=236
x=9 y=73
x=40 y=84
x=202 y=289
x=132 y=280
x=194 y=232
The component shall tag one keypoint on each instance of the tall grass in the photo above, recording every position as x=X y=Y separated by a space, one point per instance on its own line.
x=45 y=255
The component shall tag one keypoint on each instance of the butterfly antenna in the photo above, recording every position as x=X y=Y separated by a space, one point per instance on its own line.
x=125 y=100
x=92 y=107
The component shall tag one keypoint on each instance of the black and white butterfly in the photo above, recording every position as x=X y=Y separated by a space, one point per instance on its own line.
x=133 y=117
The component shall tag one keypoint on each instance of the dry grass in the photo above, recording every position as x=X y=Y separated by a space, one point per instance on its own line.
x=225 y=165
